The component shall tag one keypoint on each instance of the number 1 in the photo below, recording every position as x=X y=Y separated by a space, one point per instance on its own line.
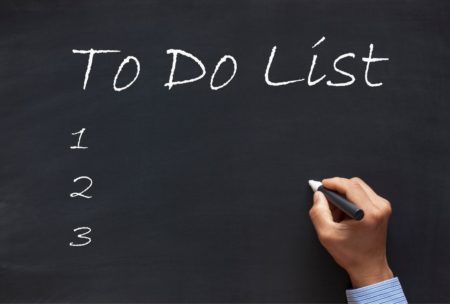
x=79 y=140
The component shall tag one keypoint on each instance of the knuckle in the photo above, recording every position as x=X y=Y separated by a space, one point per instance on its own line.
x=313 y=212
x=336 y=179
x=339 y=182
x=372 y=221
x=378 y=216
x=354 y=183
x=375 y=217
x=356 y=180
x=343 y=182
x=387 y=210
x=325 y=236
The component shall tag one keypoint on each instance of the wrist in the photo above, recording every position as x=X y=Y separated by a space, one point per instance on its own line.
x=370 y=276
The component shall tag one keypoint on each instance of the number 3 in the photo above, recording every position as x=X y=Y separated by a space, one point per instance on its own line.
x=82 y=236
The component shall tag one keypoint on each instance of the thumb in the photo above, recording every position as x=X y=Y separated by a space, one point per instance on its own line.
x=320 y=213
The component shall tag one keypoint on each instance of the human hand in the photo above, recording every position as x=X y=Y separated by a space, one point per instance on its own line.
x=357 y=246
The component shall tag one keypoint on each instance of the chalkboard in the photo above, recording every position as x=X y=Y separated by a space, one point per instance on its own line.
x=145 y=180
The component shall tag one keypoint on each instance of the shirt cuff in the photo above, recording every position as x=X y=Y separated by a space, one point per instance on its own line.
x=389 y=291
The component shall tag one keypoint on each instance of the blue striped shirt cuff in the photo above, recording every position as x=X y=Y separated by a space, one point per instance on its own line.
x=389 y=291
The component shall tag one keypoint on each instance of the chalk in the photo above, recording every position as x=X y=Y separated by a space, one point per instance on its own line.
x=91 y=53
x=319 y=42
x=124 y=62
x=369 y=60
x=75 y=194
x=313 y=64
x=82 y=236
x=175 y=53
x=311 y=78
x=222 y=60
x=352 y=78
x=79 y=139
x=266 y=74
x=338 y=200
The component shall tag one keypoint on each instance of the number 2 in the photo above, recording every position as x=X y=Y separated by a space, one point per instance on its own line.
x=75 y=194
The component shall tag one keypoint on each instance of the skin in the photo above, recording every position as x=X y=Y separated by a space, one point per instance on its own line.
x=357 y=246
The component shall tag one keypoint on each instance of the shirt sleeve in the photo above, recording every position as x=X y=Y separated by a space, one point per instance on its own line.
x=389 y=291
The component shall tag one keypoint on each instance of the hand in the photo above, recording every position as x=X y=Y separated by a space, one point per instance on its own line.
x=357 y=246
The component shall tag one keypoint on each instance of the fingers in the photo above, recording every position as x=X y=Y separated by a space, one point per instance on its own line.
x=320 y=214
x=372 y=195
x=361 y=194
x=378 y=201
x=352 y=189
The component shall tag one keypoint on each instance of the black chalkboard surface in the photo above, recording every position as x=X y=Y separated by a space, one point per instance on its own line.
x=197 y=192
